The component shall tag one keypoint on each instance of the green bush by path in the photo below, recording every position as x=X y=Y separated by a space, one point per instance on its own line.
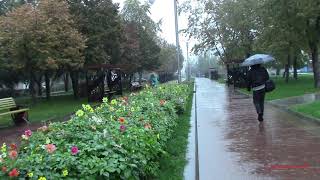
x=120 y=140
x=303 y=85
x=172 y=163
x=310 y=109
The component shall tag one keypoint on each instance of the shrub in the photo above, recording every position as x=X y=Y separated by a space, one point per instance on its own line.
x=118 y=140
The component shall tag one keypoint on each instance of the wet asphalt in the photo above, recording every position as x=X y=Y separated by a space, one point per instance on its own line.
x=234 y=145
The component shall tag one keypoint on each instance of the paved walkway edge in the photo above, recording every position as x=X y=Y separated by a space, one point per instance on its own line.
x=287 y=109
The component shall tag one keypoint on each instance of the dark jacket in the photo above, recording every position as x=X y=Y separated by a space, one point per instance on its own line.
x=257 y=76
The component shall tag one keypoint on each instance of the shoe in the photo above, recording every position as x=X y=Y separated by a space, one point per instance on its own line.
x=260 y=117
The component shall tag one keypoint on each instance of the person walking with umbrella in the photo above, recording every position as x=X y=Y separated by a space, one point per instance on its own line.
x=256 y=80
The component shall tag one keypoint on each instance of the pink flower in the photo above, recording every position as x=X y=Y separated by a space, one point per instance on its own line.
x=122 y=128
x=50 y=148
x=28 y=133
x=13 y=154
x=74 y=150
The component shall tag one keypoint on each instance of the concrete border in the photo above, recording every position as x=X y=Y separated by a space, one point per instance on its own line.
x=287 y=109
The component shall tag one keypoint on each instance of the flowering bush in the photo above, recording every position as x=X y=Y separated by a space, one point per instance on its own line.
x=118 y=140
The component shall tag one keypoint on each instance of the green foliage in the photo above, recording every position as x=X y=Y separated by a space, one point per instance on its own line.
x=226 y=27
x=168 y=58
x=137 y=15
x=310 y=109
x=100 y=22
x=40 y=38
x=120 y=140
x=172 y=164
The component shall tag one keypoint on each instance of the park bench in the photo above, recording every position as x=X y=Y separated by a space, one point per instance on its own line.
x=9 y=107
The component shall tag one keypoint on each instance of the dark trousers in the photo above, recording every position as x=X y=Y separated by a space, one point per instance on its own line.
x=258 y=100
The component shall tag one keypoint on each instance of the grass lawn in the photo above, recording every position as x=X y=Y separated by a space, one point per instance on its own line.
x=303 y=85
x=44 y=110
x=173 y=163
x=310 y=109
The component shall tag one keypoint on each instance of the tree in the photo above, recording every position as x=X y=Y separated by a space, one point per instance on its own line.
x=226 y=27
x=138 y=14
x=308 y=12
x=40 y=39
x=131 y=55
x=168 y=58
x=100 y=23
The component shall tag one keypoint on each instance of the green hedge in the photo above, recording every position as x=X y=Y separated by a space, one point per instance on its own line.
x=118 y=140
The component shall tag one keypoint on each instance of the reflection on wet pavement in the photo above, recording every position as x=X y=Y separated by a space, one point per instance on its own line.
x=233 y=145
x=287 y=102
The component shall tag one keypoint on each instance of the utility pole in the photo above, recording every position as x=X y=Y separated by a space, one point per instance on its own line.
x=177 y=39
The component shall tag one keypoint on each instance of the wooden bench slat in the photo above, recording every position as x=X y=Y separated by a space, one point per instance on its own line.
x=6 y=100
x=10 y=98
x=9 y=104
x=14 y=112
x=7 y=108
x=3 y=104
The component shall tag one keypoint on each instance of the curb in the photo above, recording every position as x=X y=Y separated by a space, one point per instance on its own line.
x=288 y=110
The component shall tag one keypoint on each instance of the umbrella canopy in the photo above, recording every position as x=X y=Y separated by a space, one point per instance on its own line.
x=257 y=59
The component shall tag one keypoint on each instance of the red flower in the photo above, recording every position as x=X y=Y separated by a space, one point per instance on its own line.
x=14 y=173
x=28 y=133
x=13 y=146
x=4 y=169
x=121 y=120
x=50 y=148
x=13 y=154
x=123 y=128
x=74 y=150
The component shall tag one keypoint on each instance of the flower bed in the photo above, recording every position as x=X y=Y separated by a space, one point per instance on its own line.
x=118 y=140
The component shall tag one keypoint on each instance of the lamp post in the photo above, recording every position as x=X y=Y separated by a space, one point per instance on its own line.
x=188 y=62
x=177 y=39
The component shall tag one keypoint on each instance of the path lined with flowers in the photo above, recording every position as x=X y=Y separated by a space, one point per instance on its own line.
x=233 y=145
x=123 y=139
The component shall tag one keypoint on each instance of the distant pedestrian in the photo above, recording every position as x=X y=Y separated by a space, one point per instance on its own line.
x=257 y=77
x=153 y=80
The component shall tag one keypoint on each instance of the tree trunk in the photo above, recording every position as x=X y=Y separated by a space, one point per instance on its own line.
x=39 y=86
x=75 y=83
x=315 y=64
x=295 y=67
x=278 y=71
x=140 y=77
x=38 y=82
x=66 y=82
x=287 y=69
x=31 y=88
x=47 y=80
x=130 y=80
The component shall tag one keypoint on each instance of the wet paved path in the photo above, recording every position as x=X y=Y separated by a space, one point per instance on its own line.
x=232 y=144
